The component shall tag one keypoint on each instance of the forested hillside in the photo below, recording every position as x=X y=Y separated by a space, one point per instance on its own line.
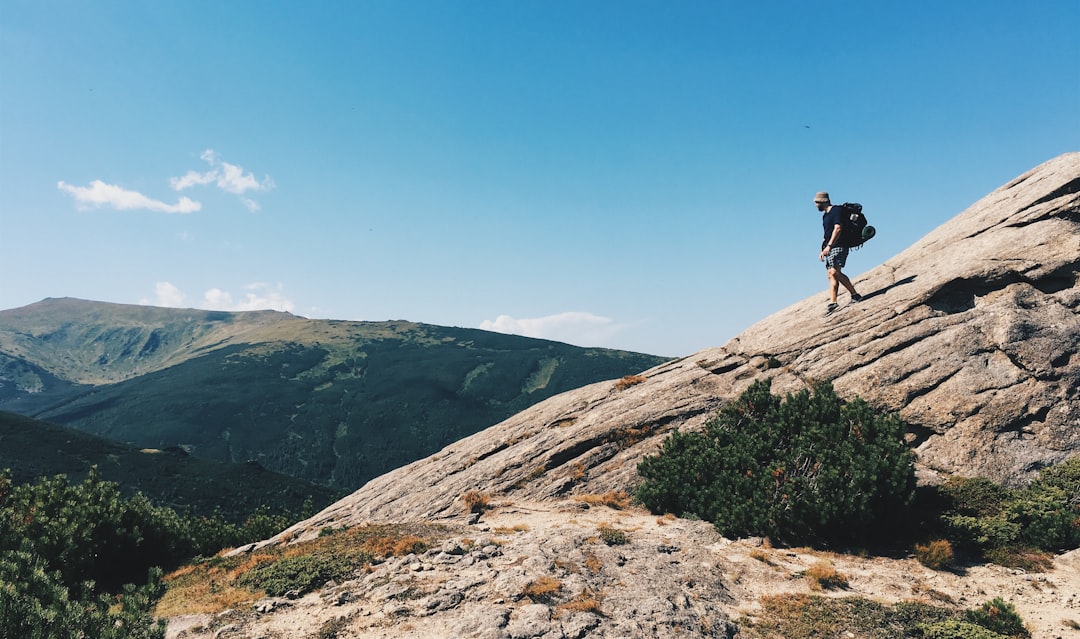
x=331 y=402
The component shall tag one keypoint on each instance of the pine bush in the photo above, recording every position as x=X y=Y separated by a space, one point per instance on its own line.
x=800 y=468
x=1065 y=476
x=975 y=496
x=35 y=603
x=998 y=616
x=994 y=521
x=69 y=553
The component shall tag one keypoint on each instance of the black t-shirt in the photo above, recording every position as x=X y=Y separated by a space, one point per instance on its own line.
x=829 y=220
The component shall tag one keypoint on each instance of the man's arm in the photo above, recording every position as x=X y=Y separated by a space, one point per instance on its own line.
x=831 y=243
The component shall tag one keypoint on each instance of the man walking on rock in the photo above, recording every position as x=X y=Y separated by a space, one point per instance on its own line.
x=834 y=255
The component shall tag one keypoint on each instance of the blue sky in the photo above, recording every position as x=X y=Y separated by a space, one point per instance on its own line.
x=634 y=175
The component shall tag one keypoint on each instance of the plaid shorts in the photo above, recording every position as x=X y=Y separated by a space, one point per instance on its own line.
x=837 y=257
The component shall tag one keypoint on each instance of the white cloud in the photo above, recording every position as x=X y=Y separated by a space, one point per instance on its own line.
x=234 y=180
x=167 y=295
x=260 y=297
x=230 y=178
x=218 y=300
x=583 y=329
x=192 y=178
x=101 y=194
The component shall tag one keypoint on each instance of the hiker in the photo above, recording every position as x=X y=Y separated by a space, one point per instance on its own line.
x=834 y=255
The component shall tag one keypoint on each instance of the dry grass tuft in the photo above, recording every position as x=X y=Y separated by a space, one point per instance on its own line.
x=628 y=381
x=593 y=563
x=205 y=589
x=542 y=590
x=617 y=499
x=762 y=556
x=533 y=475
x=392 y=545
x=476 y=501
x=628 y=436
x=586 y=601
x=824 y=576
x=936 y=555
x=665 y=519
x=921 y=590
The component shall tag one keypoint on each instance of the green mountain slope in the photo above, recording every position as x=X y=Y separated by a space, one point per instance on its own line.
x=26 y=388
x=88 y=342
x=332 y=402
x=33 y=449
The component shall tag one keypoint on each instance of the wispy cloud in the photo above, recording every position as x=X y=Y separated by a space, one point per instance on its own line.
x=230 y=178
x=583 y=329
x=260 y=296
x=192 y=178
x=101 y=194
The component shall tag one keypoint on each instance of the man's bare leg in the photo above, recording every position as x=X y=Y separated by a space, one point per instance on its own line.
x=836 y=278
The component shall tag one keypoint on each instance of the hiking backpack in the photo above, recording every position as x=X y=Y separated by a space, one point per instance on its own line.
x=854 y=230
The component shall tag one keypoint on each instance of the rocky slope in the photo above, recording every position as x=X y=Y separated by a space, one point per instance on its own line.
x=971 y=335
x=672 y=579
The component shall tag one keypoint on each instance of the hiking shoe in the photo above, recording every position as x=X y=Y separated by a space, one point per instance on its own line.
x=855 y=297
x=830 y=308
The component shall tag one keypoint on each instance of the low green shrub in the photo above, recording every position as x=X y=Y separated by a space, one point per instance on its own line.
x=910 y=614
x=980 y=533
x=1046 y=518
x=300 y=574
x=1065 y=476
x=79 y=551
x=998 y=616
x=957 y=629
x=1027 y=559
x=974 y=496
x=801 y=616
x=613 y=536
x=331 y=628
x=803 y=468
x=1015 y=525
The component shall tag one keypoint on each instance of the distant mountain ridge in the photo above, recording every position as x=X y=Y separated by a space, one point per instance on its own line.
x=332 y=402
x=87 y=342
